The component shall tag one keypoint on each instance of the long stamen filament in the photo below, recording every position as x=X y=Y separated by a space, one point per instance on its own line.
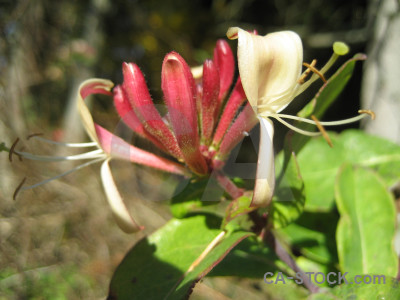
x=23 y=188
x=278 y=117
x=294 y=128
x=99 y=153
x=72 y=145
x=326 y=123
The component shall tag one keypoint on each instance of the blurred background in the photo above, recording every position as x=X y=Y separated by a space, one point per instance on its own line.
x=59 y=241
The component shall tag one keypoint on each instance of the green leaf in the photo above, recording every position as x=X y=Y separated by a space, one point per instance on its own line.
x=288 y=201
x=373 y=152
x=390 y=289
x=367 y=223
x=158 y=266
x=319 y=163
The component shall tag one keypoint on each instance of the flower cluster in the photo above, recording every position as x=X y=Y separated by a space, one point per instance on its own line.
x=202 y=124
x=198 y=131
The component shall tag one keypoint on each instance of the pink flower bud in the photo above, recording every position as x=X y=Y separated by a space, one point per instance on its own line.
x=179 y=91
x=139 y=97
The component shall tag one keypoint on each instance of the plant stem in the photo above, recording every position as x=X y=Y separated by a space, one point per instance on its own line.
x=287 y=258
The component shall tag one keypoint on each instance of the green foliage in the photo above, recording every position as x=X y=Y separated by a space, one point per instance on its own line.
x=331 y=206
x=367 y=212
x=159 y=265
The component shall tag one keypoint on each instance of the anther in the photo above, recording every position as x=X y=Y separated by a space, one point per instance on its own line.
x=322 y=130
x=315 y=70
x=303 y=77
x=10 y=154
x=368 y=112
x=18 y=188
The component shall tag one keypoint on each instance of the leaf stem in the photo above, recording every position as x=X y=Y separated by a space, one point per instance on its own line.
x=287 y=258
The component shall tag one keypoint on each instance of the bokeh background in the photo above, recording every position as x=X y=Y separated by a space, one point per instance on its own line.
x=59 y=240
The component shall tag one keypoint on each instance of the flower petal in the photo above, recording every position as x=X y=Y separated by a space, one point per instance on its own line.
x=118 y=148
x=269 y=67
x=88 y=87
x=118 y=207
x=265 y=176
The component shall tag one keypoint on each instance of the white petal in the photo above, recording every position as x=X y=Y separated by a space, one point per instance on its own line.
x=265 y=176
x=120 y=211
x=88 y=87
x=269 y=67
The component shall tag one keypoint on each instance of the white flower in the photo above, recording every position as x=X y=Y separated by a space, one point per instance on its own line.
x=270 y=68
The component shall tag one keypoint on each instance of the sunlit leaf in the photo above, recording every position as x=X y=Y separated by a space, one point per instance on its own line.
x=158 y=266
x=367 y=223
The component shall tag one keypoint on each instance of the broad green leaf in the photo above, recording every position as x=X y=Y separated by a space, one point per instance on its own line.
x=158 y=266
x=374 y=152
x=326 y=95
x=384 y=290
x=319 y=163
x=288 y=200
x=366 y=228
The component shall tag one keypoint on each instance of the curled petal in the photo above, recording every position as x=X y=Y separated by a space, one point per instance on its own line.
x=118 y=207
x=269 y=67
x=88 y=87
x=265 y=176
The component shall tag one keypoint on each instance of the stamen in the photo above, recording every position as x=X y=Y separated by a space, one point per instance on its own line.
x=33 y=135
x=364 y=113
x=303 y=87
x=306 y=72
x=368 y=112
x=322 y=130
x=315 y=70
x=18 y=188
x=294 y=128
x=12 y=150
x=88 y=155
x=71 y=145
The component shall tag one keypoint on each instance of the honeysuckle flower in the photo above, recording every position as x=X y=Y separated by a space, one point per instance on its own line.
x=270 y=68
x=198 y=130
x=108 y=146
